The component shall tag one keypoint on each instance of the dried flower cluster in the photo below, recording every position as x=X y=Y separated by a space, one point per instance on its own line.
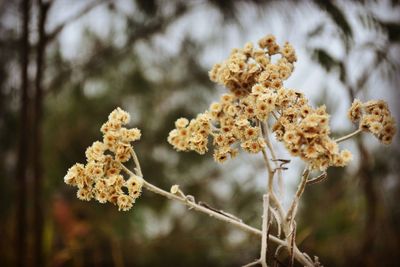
x=255 y=80
x=305 y=133
x=248 y=66
x=191 y=136
x=101 y=178
x=227 y=122
x=374 y=116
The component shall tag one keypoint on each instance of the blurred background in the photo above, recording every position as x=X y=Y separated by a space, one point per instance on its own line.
x=65 y=64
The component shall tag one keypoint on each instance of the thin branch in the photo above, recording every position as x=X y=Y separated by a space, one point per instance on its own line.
x=300 y=189
x=191 y=203
x=265 y=131
x=278 y=220
x=53 y=34
x=137 y=163
x=308 y=257
x=270 y=170
x=273 y=197
x=200 y=208
x=99 y=59
x=292 y=245
x=252 y=263
x=350 y=135
x=300 y=257
x=195 y=206
x=205 y=210
x=227 y=214
x=264 y=238
x=317 y=179
x=277 y=254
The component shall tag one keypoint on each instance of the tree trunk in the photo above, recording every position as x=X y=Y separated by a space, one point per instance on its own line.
x=23 y=146
x=371 y=196
x=37 y=138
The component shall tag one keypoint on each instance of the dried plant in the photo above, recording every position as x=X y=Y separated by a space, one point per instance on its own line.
x=256 y=106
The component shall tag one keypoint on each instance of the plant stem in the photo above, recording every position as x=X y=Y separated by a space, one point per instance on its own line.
x=350 y=135
x=300 y=189
x=137 y=163
x=252 y=263
x=270 y=170
x=265 y=131
x=273 y=197
x=264 y=237
x=297 y=253
x=220 y=216
x=200 y=208
x=203 y=209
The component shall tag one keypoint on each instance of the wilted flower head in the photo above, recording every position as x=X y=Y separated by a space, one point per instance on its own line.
x=101 y=177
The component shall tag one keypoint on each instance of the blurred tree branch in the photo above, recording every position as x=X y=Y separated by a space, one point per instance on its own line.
x=98 y=59
x=50 y=36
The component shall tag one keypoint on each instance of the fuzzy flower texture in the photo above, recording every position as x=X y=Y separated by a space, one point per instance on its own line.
x=254 y=78
x=373 y=116
x=101 y=178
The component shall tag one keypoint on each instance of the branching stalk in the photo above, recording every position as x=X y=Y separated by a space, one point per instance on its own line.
x=220 y=216
x=203 y=209
x=350 y=135
x=284 y=223
x=265 y=131
x=274 y=200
